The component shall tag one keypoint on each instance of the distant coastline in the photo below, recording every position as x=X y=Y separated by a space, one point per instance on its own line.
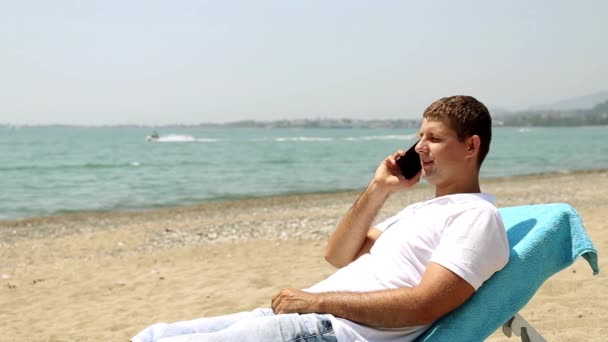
x=589 y=110
x=596 y=116
x=548 y=119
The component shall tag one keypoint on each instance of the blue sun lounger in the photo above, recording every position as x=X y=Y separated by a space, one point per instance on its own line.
x=544 y=239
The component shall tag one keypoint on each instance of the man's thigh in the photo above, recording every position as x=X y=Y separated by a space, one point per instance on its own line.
x=201 y=325
x=279 y=328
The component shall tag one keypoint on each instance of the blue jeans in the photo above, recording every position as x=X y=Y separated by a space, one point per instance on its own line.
x=256 y=325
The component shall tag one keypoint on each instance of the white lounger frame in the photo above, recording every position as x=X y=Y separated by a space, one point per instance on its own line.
x=518 y=326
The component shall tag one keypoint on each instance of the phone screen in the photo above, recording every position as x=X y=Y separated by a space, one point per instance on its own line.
x=410 y=163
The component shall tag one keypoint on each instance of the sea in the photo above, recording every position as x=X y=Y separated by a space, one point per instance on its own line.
x=53 y=170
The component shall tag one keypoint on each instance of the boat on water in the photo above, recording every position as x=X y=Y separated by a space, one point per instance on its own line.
x=153 y=136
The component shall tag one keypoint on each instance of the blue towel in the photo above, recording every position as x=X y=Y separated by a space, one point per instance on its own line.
x=544 y=239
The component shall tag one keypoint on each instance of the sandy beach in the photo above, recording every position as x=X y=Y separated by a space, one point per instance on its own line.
x=106 y=276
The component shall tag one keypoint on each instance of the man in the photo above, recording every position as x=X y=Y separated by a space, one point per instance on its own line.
x=398 y=277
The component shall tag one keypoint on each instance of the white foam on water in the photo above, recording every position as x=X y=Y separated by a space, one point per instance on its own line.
x=283 y=139
x=383 y=137
x=183 y=138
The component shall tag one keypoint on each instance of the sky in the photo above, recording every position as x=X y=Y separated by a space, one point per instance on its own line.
x=187 y=62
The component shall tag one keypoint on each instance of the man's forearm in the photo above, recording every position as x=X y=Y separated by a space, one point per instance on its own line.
x=388 y=309
x=351 y=233
x=439 y=292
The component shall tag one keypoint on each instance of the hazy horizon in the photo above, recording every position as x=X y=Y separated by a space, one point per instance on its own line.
x=189 y=62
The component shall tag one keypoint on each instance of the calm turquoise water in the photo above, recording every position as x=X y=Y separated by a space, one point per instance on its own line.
x=49 y=170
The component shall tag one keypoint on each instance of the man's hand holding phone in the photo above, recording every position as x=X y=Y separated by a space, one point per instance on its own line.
x=399 y=171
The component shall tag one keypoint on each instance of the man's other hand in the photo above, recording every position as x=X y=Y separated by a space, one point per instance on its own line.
x=295 y=301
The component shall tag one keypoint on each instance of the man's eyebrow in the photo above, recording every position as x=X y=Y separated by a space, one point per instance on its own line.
x=431 y=133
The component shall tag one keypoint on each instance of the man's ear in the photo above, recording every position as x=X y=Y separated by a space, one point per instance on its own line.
x=472 y=143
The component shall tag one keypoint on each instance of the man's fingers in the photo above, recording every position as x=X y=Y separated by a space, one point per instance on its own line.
x=399 y=153
x=275 y=306
x=276 y=296
x=276 y=301
x=392 y=159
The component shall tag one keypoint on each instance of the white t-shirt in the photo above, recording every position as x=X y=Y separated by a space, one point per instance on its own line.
x=462 y=232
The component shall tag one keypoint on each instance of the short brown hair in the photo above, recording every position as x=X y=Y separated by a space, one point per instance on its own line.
x=467 y=116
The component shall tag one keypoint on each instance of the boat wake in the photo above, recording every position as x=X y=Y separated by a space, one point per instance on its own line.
x=180 y=138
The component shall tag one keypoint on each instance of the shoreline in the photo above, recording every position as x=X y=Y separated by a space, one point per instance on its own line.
x=296 y=216
x=103 y=213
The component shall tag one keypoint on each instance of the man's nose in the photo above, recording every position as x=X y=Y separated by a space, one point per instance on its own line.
x=421 y=146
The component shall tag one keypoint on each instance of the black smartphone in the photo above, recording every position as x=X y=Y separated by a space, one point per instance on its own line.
x=410 y=163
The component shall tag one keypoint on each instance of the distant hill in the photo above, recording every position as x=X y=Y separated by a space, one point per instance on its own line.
x=579 y=102
x=597 y=115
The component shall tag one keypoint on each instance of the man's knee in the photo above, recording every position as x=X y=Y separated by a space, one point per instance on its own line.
x=161 y=330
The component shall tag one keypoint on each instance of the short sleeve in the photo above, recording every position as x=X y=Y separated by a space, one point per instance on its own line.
x=473 y=245
x=382 y=226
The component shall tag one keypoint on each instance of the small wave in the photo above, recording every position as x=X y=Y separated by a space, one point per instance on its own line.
x=281 y=161
x=206 y=140
x=88 y=166
x=68 y=166
x=282 y=139
x=383 y=137
x=183 y=138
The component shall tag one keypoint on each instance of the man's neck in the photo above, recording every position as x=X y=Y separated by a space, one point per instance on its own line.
x=460 y=186
x=443 y=192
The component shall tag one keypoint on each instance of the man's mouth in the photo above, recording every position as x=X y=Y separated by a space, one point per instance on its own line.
x=426 y=163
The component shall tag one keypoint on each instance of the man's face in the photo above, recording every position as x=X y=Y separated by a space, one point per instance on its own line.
x=441 y=153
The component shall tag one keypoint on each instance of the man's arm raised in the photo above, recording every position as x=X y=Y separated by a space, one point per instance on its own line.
x=354 y=235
